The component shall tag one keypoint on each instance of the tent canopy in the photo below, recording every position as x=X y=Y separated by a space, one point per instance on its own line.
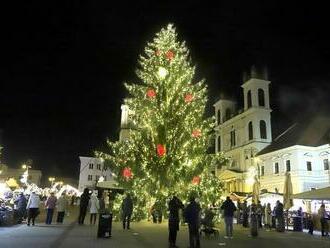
x=108 y=185
x=316 y=194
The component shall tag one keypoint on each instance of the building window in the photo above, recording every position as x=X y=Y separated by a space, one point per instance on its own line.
x=276 y=169
x=309 y=165
x=105 y=178
x=263 y=129
x=97 y=178
x=228 y=114
x=250 y=131
x=90 y=178
x=249 y=99
x=219 y=117
x=288 y=165
x=219 y=143
x=262 y=170
x=261 y=97
x=91 y=166
x=98 y=166
x=232 y=138
x=326 y=164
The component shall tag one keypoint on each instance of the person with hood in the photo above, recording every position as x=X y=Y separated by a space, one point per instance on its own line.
x=94 y=207
x=33 y=207
x=61 y=205
x=174 y=206
x=228 y=208
x=50 y=206
x=84 y=200
x=127 y=209
x=192 y=216
x=21 y=203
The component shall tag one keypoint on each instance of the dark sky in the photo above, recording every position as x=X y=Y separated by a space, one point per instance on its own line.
x=65 y=62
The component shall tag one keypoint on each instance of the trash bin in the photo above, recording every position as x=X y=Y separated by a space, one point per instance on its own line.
x=105 y=225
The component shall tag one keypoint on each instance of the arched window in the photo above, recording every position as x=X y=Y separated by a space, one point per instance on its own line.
x=219 y=117
x=250 y=131
x=263 y=130
x=261 y=97
x=249 y=99
x=219 y=143
x=228 y=114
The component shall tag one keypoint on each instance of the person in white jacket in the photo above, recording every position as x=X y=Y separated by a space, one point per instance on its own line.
x=61 y=205
x=93 y=208
x=33 y=208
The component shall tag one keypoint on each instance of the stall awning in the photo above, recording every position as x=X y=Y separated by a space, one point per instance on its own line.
x=316 y=194
x=108 y=185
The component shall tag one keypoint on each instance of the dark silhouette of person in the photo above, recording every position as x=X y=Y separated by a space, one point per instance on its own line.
x=84 y=200
x=174 y=206
x=192 y=215
x=127 y=209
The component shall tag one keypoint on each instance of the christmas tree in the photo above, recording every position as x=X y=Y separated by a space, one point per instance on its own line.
x=170 y=136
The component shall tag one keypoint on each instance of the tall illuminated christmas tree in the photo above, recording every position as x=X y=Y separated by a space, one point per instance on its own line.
x=170 y=136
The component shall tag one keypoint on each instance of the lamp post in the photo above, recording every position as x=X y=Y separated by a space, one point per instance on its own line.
x=51 y=179
x=26 y=173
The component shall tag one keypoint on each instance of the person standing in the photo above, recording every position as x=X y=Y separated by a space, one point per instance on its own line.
x=259 y=214
x=268 y=217
x=33 y=208
x=323 y=219
x=50 y=205
x=228 y=208
x=21 y=203
x=280 y=227
x=83 y=202
x=61 y=205
x=174 y=206
x=245 y=213
x=93 y=208
x=127 y=209
x=254 y=220
x=192 y=216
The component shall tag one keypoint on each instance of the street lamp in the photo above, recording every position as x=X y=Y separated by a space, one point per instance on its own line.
x=26 y=173
x=51 y=179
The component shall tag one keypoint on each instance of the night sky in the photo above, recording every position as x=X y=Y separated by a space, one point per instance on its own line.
x=65 y=63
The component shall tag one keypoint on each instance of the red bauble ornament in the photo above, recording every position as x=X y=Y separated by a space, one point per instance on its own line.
x=157 y=52
x=188 y=97
x=169 y=55
x=161 y=150
x=196 y=180
x=127 y=173
x=151 y=93
x=196 y=133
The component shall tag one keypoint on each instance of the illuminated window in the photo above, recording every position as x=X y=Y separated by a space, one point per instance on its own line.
x=309 y=165
x=288 y=165
x=326 y=164
x=276 y=168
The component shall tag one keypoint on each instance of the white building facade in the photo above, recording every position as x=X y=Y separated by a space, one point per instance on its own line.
x=241 y=134
x=91 y=169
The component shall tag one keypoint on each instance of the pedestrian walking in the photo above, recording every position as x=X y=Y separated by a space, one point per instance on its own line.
x=228 y=208
x=323 y=220
x=102 y=205
x=127 y=209
x=50 y=206
x=174 y=206
x=280 y=227
x=254 y=220
x=21 y=203
x=33 y=207
x=83 y=202
x=268 y=217
x=94 y=207
x=192 y=216
x=61 y=206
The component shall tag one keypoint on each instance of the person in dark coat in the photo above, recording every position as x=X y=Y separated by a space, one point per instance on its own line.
x=174 y=206
x=228 y=208
x=127 y=209
x=245 y=213
x=279 y=215
x=192 y=216
x=21 y=203
x=84 y=200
